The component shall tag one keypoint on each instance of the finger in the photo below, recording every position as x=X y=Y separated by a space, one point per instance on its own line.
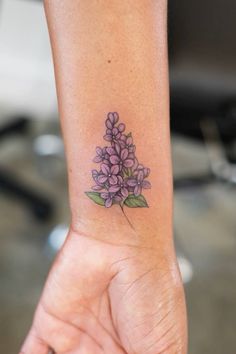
x=90 y=325
x=59 y=334
x=34 y=344
x=87 y=345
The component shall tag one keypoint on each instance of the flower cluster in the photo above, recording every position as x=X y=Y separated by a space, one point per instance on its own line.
x=120 y=178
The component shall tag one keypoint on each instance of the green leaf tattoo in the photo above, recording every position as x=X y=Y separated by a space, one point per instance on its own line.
x=96 y=197
x=133 y=201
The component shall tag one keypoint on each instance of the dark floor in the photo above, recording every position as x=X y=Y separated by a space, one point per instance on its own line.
x=205 y=231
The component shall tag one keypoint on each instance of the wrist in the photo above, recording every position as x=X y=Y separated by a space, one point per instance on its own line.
x=113 y=228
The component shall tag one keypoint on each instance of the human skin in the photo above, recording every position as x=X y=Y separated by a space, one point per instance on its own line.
x=112 y=288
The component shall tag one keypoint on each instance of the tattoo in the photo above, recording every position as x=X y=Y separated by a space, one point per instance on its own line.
x=121 y=178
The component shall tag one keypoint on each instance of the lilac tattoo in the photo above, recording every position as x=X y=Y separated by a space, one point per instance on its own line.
x=120 y=179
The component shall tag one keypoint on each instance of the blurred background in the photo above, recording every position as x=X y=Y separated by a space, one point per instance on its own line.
x=33 y=189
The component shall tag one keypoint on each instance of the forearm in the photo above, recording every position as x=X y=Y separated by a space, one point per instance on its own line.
x=112 y=56
x=114 y=286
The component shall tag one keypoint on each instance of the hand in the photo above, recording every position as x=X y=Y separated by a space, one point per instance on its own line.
x=107 y=298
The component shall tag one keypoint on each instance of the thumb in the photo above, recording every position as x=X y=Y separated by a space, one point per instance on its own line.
x=34 y=345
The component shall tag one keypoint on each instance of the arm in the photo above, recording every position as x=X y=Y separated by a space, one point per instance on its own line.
x=111 y=56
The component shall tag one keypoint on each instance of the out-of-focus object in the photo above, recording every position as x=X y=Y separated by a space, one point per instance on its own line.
x=220 y=167
x=49 y=150
x=186 y=269
x=27 y=89
x=56 y=238
x=202 y=50
x=26 y=69
x=49 y=145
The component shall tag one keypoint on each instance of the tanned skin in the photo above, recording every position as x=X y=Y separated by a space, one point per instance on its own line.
x=112 y=289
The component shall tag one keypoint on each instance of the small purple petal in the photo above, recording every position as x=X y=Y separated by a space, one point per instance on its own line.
x=97 y=188
x=137 y=190
x=114 y=159
x=111 y=151
x=128 y=163
x=132 y=148
x=132 y=182
x=146 y=171
x=121 y=127
x=115 y=169
x=108 y=202
x=124 y=154
x=104 y=195
x=120 y=179
x=131 y=156
x=116 y=116
x=113 y=117
x=107 y=137
x=135 y=165
x=105 y=169
x=113 y=179
x=117 y=198
x=95 y=177
x=146 y=184
x=109 y=124
x=97 y=159
x=117 y=147
x=115 y=131
x=99 y=150
x=102 y=179
x=107 y=162
x=124 y=192
x=94 y=172
x=140 y=176
x=114 y=189
x=122 y=144
x=129 y=140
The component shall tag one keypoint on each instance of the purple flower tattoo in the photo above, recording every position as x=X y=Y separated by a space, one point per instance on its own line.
x=102 y=155
x=120 y=178
x=108 y=174
x=138 y=183
x=121 y=186
x=120 y=157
